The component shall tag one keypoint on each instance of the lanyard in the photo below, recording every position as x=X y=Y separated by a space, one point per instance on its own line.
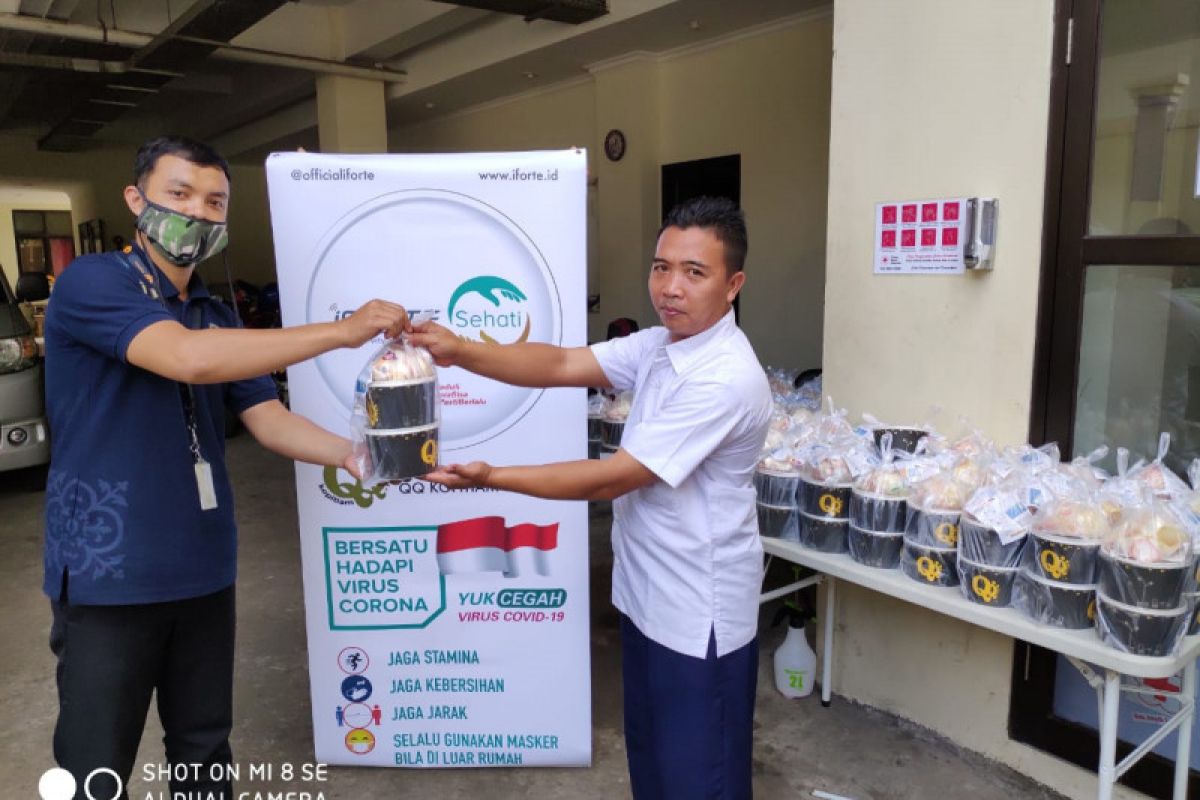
x=187 y=396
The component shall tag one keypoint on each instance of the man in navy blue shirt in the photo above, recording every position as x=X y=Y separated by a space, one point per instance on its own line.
x=141 y=545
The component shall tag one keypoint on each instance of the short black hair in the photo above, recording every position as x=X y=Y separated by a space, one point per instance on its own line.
x=188 y=149
x=719 y=215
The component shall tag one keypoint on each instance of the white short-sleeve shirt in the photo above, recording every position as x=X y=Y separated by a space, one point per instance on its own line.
x=686 y=555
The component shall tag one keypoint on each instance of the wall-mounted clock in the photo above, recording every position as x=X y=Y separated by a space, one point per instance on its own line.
x=614 y=145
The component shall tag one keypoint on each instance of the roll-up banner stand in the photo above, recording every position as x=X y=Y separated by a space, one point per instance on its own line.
x=445 y=628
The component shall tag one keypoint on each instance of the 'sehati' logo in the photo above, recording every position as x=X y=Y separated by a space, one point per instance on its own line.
x=490 y=309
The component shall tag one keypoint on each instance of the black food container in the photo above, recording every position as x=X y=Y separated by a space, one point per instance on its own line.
x=931 y=528
x=905 y=439
x=779 y=522
x=1159 y=585
x=875 y=548
x=404 y=453
x=936 y=566
x=1141 y=631
x=986 y=584
x=876 y=512
x=392 y=405
x=1060 y=605
x=830 y=500
x=610 y=434
x=593 y=429
x=824 y=534
x=776 y=488
x=1064 y=559
x=983 y=545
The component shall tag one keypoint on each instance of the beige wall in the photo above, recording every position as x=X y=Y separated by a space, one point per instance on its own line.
x=966 y=117
x=764 y=94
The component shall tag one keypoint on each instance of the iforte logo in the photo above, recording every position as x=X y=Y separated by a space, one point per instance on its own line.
x=490 y=309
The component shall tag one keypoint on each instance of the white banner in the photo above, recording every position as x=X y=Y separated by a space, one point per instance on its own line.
x=445 y=629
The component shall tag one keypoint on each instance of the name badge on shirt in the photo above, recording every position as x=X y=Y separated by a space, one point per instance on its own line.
x=204 y=482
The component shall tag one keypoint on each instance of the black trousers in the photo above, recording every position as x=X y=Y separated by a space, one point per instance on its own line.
x=112 y=659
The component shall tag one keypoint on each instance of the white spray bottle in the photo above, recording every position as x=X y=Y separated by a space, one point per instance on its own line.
x=795 y=661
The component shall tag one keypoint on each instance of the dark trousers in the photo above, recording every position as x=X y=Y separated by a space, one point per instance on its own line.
x=111 y=659
x=688 y=721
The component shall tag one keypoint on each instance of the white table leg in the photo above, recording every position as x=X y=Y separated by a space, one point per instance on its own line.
x=827 y=648
x=1183 y=749
x=1108 y=735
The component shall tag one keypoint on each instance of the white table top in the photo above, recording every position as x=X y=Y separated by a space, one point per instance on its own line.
x=948 y=600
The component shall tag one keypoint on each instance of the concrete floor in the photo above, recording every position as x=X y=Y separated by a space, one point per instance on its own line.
x=846 y=750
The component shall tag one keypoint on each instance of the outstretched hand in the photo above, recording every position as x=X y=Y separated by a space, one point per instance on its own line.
x=462 y=476
x=444 y=345
x=377 y=316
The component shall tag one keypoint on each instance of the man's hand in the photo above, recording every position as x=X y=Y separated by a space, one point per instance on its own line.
x=462 y=476
x=377 y=316
x=444 y=345
x=354 y=463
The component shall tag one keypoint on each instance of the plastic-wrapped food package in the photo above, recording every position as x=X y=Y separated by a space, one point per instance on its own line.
x=994 y=525
x=1054 y=603
x=1084 y=469
x=903 y=437
x=595 y=415
x=878 y=501
x=1157 y=476
x=986 y=584
x=934 y=507
x=1141 y=631
x=781 y=380
x=1147 y=561
x=1119 y=491
x=612 y=420
x=776 y=481
x=1064 y=544
x=396 y=413
x=936 y=566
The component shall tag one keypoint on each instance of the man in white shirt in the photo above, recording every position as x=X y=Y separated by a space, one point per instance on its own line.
x=687 y=563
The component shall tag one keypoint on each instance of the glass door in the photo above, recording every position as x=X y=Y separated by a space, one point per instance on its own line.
x=1118 y=356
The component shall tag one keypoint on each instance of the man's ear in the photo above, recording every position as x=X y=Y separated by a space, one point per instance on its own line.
x=134 y=199
x=736 y=281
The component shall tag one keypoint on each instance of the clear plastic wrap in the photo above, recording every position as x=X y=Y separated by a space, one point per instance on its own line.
x=1147 y=561
x=1157 y=476
x=1053 y=603
x=993 y=527
x=903 y=437
x=878 y=501
x=828 y=535
x=595 y=415
x=875 y=548
x=936 y=566
x=612 y=420
x=397 y=414
x=986 y=584
x=1064 y=544
x=1141 y=631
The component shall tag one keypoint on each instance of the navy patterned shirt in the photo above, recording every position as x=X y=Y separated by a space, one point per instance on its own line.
x=123 y=516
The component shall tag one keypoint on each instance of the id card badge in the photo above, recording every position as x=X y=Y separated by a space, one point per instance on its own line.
x=204 y=482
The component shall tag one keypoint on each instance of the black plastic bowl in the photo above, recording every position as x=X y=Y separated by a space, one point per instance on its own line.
x=776 y=488
x=1059 y=605
x=778 y=522
x=824 y=534
x=1142 y=585
x=983 y=545
x=875 y=512
x=986 y=584
x=905 y=439
x=392 y=405
x=875 y=548
x=1193 y=601
x=825 y=500
x=1064 y=559
x=1141 y=631
x=931 y=528
x=936 y=566
x=610 y=434
x=404 y=453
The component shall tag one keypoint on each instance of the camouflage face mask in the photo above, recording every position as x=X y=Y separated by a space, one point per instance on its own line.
x=182 y=240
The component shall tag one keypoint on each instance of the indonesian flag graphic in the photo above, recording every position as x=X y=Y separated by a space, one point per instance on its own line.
x=484 y=544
